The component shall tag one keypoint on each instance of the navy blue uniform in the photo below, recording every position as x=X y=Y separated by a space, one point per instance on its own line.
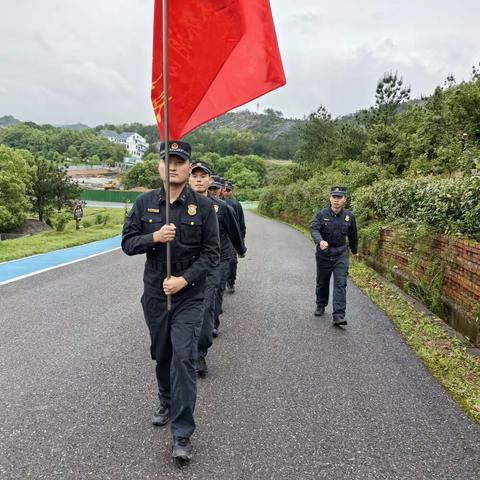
x=230 y=239
x=237 y=206
x=174 y=334
x=333 y=228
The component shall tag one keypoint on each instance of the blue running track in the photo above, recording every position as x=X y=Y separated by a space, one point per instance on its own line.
x=22 y=267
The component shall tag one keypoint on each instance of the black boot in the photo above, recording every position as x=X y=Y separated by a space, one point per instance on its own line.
x=202 y=369
x=182 y=448
x=161 y=416
x=339 y=320
x=319 y=311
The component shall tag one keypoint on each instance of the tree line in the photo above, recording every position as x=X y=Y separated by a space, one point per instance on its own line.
x=412 y=162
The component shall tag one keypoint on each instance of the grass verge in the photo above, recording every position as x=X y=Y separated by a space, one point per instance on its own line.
x=53 y=240
x=448 y=358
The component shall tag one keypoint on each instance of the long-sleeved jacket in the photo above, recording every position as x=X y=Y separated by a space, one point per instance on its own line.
x=195 y=249
x=333 y=228
x=229 y=230
x=237 y=206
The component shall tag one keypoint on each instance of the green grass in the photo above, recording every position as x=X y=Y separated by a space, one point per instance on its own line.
x=53 y=240
x=447 y=357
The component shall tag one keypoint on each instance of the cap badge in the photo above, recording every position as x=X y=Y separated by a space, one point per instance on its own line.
x=174 y=146
x=192 y=210
x=337 y=189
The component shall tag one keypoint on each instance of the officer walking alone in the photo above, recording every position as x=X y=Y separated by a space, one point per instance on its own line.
x=329 y=229
x=193 y=234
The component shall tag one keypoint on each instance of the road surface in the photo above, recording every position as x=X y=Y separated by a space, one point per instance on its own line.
x=288 y=397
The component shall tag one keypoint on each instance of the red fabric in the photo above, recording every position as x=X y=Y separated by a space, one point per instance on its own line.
x=222 y=54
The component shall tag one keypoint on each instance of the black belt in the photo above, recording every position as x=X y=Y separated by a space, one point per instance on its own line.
x=178 y=266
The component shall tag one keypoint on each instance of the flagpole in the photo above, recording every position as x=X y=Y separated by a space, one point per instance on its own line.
x=167 y=154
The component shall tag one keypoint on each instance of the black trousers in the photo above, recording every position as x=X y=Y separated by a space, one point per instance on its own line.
x=205 y=341
x=333 y=262
x=224 y=269
x=232 y=274
x=174 y=340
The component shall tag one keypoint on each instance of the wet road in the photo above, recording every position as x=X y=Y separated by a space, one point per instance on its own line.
x=288 y=396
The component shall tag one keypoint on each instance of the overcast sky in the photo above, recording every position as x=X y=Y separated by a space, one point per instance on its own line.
x=89 y=61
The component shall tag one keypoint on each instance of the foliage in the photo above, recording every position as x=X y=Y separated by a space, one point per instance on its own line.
x=448 y=205
x=144 y=174
x=60 y=219
x=15 y=181
x=51 y=188
x=62 y=145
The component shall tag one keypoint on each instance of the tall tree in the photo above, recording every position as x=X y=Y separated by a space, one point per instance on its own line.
x=52 y=189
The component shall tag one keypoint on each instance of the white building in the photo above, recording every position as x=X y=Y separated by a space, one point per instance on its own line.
x=134 y=143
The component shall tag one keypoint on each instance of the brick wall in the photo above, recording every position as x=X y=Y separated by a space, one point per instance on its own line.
x=459 y=274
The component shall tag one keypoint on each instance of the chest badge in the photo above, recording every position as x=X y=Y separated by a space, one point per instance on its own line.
x=347 y=218
x=216 y=208
x=192 y=210
x=153 y=210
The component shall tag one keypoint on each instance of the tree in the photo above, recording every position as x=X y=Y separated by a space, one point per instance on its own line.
x=389 y=95
x=51 y=189
x=15 y=179
x=144 y=174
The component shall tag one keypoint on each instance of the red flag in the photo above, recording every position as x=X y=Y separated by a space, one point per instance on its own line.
x=222 y=54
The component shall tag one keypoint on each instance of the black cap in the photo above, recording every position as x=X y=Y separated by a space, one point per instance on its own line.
x=202 y=166
x=229 y=185
x=180 y=149
x=338 y=191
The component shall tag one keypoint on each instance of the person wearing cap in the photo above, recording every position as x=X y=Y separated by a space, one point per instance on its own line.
x=329 y=228
x=237 y=206
x=215 y=188
x=195 y=251
x=230 y=239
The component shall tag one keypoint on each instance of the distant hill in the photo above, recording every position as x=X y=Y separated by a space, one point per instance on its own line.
x=270 y=123
x=75 y=126
x=8 y=120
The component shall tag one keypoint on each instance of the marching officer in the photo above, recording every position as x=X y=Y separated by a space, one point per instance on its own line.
x=215 y=192
x=193 y=234
x=237 y=206
x=230 y=240
x=329 y=229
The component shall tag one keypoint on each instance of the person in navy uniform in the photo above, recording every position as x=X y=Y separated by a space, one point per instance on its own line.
x=230 y=240
x=215 y=191
x=329 y=228
x=194 y=236
x=237 y=206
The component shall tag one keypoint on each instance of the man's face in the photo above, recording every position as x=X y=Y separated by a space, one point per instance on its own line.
x=179 y=170
x=199 y=181
x=337 y=202
x=215 y=192
x=227 y=193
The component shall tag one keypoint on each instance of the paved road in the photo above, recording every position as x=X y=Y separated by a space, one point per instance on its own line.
x=289 y=396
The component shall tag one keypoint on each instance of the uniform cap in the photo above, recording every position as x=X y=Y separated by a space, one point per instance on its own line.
x=338 y=191
x=202 y=166
x=180 y=149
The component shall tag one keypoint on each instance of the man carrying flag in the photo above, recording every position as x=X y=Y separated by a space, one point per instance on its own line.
x=193 y=234
x=209 y=57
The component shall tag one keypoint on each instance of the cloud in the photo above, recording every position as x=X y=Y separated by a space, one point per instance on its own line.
x=90 y=61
